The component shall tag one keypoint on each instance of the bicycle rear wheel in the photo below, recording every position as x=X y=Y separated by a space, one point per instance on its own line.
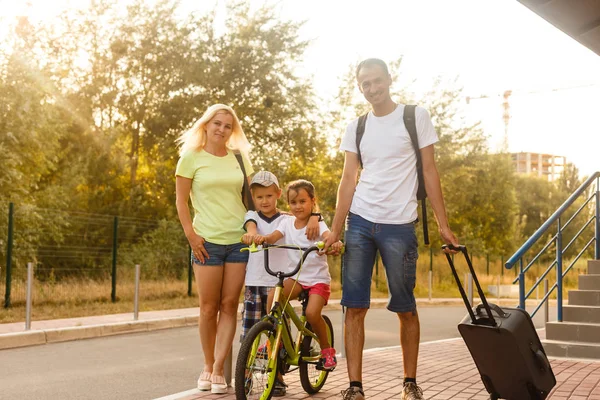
x=313 y=379
x=255 y=372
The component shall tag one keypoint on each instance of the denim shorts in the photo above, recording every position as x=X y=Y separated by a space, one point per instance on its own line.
x=222 y=253
x=397 y=245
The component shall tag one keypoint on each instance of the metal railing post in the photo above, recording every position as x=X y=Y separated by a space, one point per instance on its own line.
x=9 y=246
x=546 y=312
x=190 y=270
x=521 y=291
x=113 y=293
x=501 y=265
x=430 y=272
x=597 y=219
x=136 y=302
x=28 y=296
x=498 y=287
x=521 y=285
x=470 y=288
x=559 y=272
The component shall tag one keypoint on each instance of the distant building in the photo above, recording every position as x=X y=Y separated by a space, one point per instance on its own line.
x=543 y=165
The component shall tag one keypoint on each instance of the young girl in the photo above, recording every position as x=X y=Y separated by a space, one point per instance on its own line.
x=314 y=276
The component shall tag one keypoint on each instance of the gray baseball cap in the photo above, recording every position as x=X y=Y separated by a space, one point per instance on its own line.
x=265 y=178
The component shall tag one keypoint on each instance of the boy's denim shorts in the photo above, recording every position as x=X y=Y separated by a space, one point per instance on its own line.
x=397 y=245
x=222 y=253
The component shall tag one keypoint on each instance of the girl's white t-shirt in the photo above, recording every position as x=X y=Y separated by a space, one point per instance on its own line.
x=256 y=275
x=387 y=189
x=315 y=268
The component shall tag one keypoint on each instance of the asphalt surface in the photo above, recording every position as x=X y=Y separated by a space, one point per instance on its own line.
x=156 y=364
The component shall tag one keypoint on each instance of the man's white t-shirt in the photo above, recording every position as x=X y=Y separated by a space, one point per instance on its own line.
x=387 y=189
x=315 y=268
x=256 y=275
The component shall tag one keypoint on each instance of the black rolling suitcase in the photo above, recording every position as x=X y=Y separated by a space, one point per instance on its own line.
x=505 y=347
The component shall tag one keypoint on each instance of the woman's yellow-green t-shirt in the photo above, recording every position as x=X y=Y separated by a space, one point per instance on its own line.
x=216 y=194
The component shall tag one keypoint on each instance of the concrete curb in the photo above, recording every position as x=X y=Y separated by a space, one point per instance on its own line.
x=37 y=337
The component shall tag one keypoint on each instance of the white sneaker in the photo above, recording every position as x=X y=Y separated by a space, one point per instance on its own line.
x=204 y=382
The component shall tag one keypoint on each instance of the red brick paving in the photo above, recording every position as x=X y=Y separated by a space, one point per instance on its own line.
x=446 y=371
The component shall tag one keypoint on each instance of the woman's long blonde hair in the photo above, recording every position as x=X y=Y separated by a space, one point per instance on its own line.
x=195 y=137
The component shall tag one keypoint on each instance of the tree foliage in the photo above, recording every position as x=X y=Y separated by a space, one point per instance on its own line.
x=91 y=104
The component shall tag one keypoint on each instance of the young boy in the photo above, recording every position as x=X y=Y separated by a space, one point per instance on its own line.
x=265 y=193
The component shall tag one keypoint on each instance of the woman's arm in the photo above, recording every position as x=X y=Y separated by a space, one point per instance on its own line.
x=183 y=187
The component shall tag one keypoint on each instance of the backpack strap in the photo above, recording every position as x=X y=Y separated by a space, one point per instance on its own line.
x=360 y=131
x=246 y=195
x=411 y=126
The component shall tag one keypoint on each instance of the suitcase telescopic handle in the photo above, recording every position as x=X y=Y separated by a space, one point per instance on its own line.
x=463 y=249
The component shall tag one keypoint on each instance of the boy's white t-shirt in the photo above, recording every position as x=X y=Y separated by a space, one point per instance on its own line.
x=315 y=268
x=256 y=275
x=387 y=189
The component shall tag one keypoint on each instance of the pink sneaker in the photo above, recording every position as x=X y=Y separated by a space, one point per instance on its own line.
x=328 y=359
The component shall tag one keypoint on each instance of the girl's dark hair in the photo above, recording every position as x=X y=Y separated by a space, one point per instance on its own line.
x=302 y=184
x=372 y=61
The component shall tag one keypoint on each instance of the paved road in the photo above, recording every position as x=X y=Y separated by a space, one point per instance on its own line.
x=155 y=364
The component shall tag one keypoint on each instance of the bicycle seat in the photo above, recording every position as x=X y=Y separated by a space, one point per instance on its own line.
x=303 y=297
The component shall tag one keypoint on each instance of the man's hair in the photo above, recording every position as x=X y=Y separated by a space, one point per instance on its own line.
x=372 y=61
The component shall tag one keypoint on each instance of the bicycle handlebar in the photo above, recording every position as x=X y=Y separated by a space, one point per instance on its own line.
x=280 y=274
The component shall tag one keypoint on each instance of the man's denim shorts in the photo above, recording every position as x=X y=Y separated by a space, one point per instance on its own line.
x=397 y=245
x=223 y=253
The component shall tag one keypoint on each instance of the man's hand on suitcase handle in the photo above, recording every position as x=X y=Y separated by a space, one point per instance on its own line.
x=450 y=248
x=451 y=240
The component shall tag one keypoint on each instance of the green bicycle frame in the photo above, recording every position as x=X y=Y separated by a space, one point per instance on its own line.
x=284 y=334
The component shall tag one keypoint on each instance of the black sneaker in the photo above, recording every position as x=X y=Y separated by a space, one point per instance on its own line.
x=353 y=393
x=411 y=392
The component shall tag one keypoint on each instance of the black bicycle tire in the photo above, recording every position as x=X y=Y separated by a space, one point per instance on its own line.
x=244 y=352
x=303 y=367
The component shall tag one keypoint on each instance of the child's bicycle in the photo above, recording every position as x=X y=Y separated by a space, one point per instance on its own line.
x=269 y=347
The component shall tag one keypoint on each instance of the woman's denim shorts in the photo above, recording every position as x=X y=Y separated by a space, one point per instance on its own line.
x=220 y=254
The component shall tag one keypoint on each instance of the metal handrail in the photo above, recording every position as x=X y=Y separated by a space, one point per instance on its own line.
x=553 y=218
x=579 y=210
x=552 y=240
x=558 y=239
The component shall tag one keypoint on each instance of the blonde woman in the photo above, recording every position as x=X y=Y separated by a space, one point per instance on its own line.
x=209 y=171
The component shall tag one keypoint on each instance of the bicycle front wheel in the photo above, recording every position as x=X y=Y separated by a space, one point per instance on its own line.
x=255 y=369
x=313 y=379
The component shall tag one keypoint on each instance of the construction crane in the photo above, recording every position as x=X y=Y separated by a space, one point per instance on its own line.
x=506 y=103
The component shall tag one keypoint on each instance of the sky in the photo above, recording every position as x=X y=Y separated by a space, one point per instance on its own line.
x=489 y=46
